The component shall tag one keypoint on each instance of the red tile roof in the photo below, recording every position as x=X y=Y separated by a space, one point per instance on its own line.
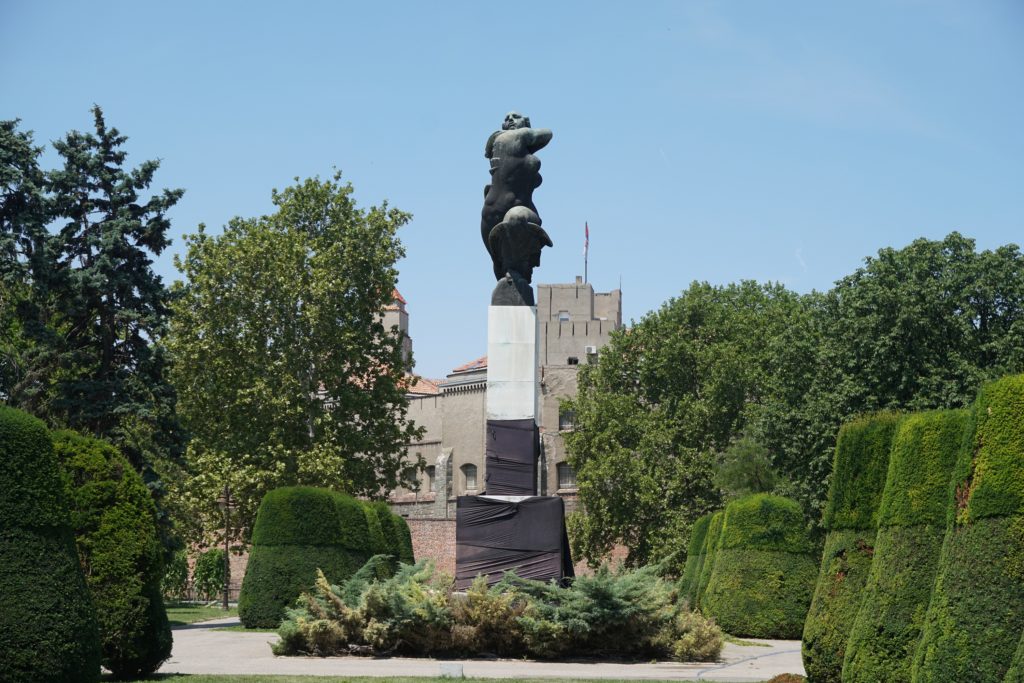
x=478 y=364
x=423 y=386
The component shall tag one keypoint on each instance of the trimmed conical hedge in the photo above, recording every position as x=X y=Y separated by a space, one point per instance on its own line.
x=48 y=626
x=911 y=525
x=764 y=571
x=115 y=524
x=710 y=553
x=1016 y=671
x=396 y=537
x=694 y=560
x=858 y=479
x=299 y=530
x=976 y=614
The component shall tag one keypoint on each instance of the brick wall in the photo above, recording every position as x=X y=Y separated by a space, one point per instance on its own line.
x=434 y=539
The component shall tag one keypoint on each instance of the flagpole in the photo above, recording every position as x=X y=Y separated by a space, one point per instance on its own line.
x=586 y=249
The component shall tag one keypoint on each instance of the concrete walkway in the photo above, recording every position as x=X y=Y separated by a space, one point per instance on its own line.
x=200 y=649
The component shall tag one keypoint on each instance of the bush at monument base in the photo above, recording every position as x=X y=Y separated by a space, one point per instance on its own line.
x=859 y=471
x=115 y=526
x=710 y=552
x=298 y=530
x=976 y=614
x=764 y=571
x=48 y=628
x=912 y=518
x=694 y=559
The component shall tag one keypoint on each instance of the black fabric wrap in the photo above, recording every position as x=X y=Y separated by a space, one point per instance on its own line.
x=494 y=536
x=511 y=454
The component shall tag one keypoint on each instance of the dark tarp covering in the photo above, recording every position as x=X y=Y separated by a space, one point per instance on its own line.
x=511 y=454
x=493 y=536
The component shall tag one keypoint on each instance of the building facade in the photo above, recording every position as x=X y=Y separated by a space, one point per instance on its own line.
x=574 y=323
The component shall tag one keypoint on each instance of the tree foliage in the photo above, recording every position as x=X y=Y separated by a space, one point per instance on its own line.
x=664 y=398
x=755 y=373
x=287 y=375
x=82 y=314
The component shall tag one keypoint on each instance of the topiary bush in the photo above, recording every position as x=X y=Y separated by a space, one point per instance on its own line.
x=764 y=573
x=694 y=559
x=710 y=553
x=976 y=614
x=911 y=525
x=115 y=525
x=397 y=539
x=298 y=530
x=860 y=465
x=48 y=629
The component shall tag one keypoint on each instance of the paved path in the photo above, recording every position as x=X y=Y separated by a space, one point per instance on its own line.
x=200 y=649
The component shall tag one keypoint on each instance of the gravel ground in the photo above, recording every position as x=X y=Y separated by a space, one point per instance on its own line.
x=200 y=649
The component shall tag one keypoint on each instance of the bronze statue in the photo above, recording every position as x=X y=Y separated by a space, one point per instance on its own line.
x=515 y=174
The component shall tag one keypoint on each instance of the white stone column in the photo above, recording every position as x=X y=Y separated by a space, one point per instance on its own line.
x=513 y=382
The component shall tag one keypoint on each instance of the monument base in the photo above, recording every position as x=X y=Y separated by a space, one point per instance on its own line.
x=524 y=534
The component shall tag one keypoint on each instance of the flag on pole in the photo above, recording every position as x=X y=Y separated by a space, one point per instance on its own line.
x=586 y=239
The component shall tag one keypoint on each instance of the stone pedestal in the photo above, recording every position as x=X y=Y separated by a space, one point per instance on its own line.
x=510 y=527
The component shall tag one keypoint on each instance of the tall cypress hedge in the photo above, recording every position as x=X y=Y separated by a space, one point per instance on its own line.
x=710 y=554
x=859 y=469
x=48 y=626
x=694 y=560
x=298 y=530
x=397 y=539
x=911 y=525
x=115 y=525
x=976 y=614
x=764 y=572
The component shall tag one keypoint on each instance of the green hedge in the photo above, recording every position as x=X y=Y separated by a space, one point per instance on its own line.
x=48 y=628
x=299 y=530
x=694 y=559
x=1016 y=671
x=764 y=572
x=710 y=553
x=976 y=614
x=859 y=469
x=912 y=524
x=395 y=530
x=115 y=525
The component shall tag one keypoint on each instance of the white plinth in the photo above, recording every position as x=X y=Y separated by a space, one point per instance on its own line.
x=513 y=384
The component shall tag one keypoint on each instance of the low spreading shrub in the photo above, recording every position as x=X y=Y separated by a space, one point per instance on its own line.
x=764 y=573
x=298 y=531
x=624 y=614
x=859 y=470
x=48 y=627
x=115 y=525
x=1015 y=674
x=911 y=525
x=976 y=615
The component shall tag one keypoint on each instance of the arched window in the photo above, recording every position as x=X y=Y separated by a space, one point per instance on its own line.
x=469 y=474
x=431 y=478
x=566 y=476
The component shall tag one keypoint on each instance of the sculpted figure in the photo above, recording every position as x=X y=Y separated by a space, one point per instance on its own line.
x=516 y=243
x=515 y=174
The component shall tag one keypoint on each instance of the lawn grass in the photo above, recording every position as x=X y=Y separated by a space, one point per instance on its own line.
x=180 y=614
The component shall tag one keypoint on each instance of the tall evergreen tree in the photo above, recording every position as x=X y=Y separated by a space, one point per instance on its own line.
x=112 y=309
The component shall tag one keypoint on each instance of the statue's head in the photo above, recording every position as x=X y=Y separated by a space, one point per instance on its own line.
x=514 y=120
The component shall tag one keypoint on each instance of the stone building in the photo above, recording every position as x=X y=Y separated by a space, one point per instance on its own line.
x=575 y=322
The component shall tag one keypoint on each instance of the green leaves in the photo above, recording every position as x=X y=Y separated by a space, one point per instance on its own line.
x=285 y=372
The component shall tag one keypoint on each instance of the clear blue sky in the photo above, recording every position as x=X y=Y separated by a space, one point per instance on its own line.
x=710 y=141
